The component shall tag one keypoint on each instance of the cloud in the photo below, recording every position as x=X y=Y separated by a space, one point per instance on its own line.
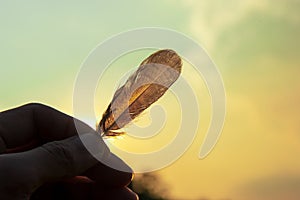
x=210 y=20
x=277 y=187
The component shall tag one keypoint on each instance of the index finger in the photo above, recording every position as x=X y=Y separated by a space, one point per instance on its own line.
x=33 y=124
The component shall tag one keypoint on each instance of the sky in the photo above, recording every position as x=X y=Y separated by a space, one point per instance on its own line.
x=254 y=43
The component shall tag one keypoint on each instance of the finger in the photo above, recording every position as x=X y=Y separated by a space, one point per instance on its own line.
x=114 y=173
x=50 y=162
x=34 y=124
x=81 y=188
x=113 y=193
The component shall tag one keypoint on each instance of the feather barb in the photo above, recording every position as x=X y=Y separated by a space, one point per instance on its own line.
x=144 y=87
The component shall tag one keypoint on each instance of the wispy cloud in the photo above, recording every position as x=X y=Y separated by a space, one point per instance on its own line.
x=210 y=19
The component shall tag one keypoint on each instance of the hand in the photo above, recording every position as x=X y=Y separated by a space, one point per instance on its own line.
x=42 y=157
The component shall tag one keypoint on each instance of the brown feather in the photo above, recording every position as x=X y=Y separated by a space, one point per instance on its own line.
x=144 y=87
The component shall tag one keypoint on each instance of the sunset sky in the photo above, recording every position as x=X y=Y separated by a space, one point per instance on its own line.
x=254 y=43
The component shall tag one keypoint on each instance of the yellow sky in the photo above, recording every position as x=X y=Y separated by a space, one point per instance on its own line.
x=255 y=44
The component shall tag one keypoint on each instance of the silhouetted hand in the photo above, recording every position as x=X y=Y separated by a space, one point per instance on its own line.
x=42 y=157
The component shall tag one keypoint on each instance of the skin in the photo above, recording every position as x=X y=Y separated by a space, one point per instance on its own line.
x=42 y=157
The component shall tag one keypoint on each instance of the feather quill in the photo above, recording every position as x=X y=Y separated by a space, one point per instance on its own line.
x=144 y=87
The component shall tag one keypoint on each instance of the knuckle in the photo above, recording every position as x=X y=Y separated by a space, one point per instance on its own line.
x=34 y=105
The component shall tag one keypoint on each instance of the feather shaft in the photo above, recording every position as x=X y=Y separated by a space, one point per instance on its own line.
x=144 y=87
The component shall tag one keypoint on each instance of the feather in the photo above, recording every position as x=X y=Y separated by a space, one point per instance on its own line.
x=144 y=87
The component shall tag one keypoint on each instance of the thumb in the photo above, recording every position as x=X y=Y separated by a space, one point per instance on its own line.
x=67 y=158
x=22 y=173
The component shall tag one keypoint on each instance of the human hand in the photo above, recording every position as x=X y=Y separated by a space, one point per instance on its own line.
x=42 y=157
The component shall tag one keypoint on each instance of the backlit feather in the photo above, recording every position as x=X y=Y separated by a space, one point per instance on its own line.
x=144 y=87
